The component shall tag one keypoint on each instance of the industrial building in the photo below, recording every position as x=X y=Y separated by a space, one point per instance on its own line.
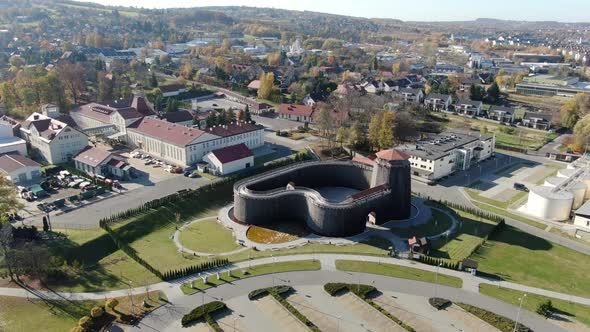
x=333 y=198
x=560 y=195
x=547 y=85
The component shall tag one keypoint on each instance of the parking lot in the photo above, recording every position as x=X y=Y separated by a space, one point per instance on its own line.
x=219 y=103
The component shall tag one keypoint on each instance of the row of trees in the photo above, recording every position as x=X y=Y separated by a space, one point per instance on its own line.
x=186 y=271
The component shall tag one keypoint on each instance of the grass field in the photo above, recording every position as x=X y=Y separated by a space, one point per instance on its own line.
x=474 y=195
x=208 y=236
x=502 y=212
x=398 y=272
x=508 y=136
x=439 y=223
x=460 y=244
x=516 y=256
x=104 y=267
x=576 y=311
x=22 y=314
x=309 y=265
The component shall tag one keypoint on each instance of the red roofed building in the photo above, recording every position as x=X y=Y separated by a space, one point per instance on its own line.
x=299 y=113
x=392 y=154
x=183 y=146
x=230 y=159
x=254 y=85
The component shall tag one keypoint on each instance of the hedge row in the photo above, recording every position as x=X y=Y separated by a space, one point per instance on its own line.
x=439 y=303
x=183 y=272
x=362 y=291
x=334 y=288
x=500 y=322
x=168 y=275
x=390 y=316
x=194 y=193
x=132 y=253
x=264 y=291
x=202 y=311
x=474 y=211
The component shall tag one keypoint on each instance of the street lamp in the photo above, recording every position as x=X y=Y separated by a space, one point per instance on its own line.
x=436 y=279
x=518 y=312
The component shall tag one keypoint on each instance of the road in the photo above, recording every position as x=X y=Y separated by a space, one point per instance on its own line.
x=89 y=216
x=170 y=314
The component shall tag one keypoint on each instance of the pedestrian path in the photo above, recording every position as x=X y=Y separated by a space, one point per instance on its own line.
x=328 y=261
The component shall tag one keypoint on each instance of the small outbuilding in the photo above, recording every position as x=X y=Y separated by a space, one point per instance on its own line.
x=19 y=169
x=419 y=245
x=229 y=159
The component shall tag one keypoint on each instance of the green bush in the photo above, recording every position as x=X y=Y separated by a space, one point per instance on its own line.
x=359 y=290
x=265 y=291
x=96 y=312
x=500 y=322
x=85 y=322
x=201 y=311
x=439 y=303
x=546 y=309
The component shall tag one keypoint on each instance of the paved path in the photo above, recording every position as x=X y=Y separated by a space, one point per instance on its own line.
x=162 y=318
x=172 y=289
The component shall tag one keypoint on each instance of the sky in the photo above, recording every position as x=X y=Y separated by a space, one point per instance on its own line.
x=407 y=10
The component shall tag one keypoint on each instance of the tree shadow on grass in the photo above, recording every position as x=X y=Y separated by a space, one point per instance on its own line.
x=516 y=237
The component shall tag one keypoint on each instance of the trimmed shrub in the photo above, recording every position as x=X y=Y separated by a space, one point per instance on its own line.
x=439 y=303
x=96 y=312
x=359 y=290
x=546 y=309
x=112 y=304
x=500 y=322
x=85 y=322
x=265 y=291
x=201 y=311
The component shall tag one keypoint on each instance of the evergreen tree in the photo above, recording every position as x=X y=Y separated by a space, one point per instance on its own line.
x=153 y=80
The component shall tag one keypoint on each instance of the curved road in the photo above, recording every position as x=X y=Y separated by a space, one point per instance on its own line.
x=170 y=314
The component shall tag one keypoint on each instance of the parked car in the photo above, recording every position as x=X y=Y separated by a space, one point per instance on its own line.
x=520 y=187
x=194 y=175
x=149 y=162
x=187 y=173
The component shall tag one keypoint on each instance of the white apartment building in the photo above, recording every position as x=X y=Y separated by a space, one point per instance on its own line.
x=183 y=146
x=446 y=153
x=51 y=140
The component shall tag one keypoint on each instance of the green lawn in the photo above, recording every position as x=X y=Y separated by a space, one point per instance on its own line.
x=398 y=272
x=502 y=212
x=309 y=265
x=21 y=314
x=468 y=236
x=208 y=236
x=576 y=311
x=516 y=256
x=439 y=223
x=505 y=135
x=103 y=266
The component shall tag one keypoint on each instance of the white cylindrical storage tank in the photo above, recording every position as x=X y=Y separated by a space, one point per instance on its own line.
x=586 y=180
x=545 y=204
x=553 y=181
x=579 y=191
x=566 y=173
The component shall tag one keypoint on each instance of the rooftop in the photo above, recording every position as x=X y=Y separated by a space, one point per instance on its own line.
x=166 y=131
x=438 y=146
x=12 y=162
x=92 y=156
x=232 y=153
x=299 y=110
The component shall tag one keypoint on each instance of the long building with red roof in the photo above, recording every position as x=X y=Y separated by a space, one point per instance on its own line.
x=185 y=146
